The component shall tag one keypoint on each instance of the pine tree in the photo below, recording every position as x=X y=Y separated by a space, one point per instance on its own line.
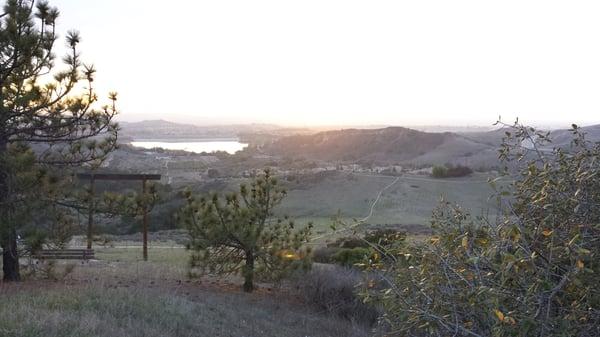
x=42 y=105
x=239 y=233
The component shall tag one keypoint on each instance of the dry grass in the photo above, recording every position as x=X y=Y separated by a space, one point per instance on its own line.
x=119 y=295
x=335 y=290
x=99 y=311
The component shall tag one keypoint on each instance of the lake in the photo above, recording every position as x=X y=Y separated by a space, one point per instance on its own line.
x=196 y=146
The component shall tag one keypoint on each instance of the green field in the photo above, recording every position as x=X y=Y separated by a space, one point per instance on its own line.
x=409 y=201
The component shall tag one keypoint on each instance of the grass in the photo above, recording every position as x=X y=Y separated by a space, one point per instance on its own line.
x=121 y=295
x=352 y=194
x=409 y=201
x=412 y=199
x=172 y=256
x=99 y=311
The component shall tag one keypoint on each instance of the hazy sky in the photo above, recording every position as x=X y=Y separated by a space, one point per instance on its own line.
x=344 y=62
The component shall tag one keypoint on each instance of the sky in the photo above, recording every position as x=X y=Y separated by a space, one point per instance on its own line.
x=344 y=62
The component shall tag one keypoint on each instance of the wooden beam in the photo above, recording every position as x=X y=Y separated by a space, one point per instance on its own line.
x=118 y=176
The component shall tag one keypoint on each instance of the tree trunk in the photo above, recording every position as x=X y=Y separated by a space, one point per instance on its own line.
x=10 y=258
x=8 y=233
x=249 y=272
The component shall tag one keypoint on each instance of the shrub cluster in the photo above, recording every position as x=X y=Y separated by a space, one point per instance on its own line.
x=335 y=290
x=534 y=272
x=351 y=250
x=450 y=171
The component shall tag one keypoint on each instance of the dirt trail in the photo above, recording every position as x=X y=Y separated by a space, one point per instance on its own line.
x=377 y=199
x=363 y=220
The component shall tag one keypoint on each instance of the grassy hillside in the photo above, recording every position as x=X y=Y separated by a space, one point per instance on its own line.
x=408 y=201
x=119 y=296
x=389 y=144
x=412 y=199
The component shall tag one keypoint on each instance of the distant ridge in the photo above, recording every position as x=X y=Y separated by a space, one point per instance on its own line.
x=387 y=144
x=162 y=129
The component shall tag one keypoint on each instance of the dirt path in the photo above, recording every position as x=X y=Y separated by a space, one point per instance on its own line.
x=363 y=220
x=377 y=199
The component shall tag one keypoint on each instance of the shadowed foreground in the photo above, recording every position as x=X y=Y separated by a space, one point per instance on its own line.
x=54 y=309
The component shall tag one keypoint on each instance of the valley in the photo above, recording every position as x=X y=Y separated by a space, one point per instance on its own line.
x=380 y=177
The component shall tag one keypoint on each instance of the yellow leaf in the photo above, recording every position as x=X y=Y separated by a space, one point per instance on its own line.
x=499 y=314
x=547 y=232
x=375 y=257
x=435 y=240
x=465 y=242
x=580 y=264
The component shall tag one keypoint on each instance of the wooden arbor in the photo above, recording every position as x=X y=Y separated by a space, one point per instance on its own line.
x=92 y=177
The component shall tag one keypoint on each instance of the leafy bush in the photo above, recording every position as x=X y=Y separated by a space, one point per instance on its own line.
x=535 y=272
x=349 y=257
x=352 y=250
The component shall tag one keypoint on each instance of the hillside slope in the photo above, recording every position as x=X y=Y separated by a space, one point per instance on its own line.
x=393 y=143
x=388 y=145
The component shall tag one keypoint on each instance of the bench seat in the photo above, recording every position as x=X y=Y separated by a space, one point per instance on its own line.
x=64 y=254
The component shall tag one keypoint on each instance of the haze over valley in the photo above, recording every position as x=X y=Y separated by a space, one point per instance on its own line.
x=328 y=171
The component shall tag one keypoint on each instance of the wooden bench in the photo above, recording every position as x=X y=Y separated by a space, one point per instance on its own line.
x=64 y=254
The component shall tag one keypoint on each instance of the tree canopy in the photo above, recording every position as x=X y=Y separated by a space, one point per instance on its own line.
x=46 y=108
x=238 y=232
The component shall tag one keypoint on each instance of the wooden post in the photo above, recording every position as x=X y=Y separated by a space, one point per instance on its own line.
x=120 y=176
x=145 y=222
x=90 y=214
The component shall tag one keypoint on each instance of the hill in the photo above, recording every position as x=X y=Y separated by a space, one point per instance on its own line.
x=388 y=145
x=393 y=143
x=563 y=137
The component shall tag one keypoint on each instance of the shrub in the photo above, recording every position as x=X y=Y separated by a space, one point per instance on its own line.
x=534 y=272
x=212 y=173
x=324 y=254
x=385 y=236
x=439 y=171
x=349 y=257
x=335 y=290
x=450 y=171
x=349 y=242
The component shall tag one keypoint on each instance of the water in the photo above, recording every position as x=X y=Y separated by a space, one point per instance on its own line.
x=199 y=146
